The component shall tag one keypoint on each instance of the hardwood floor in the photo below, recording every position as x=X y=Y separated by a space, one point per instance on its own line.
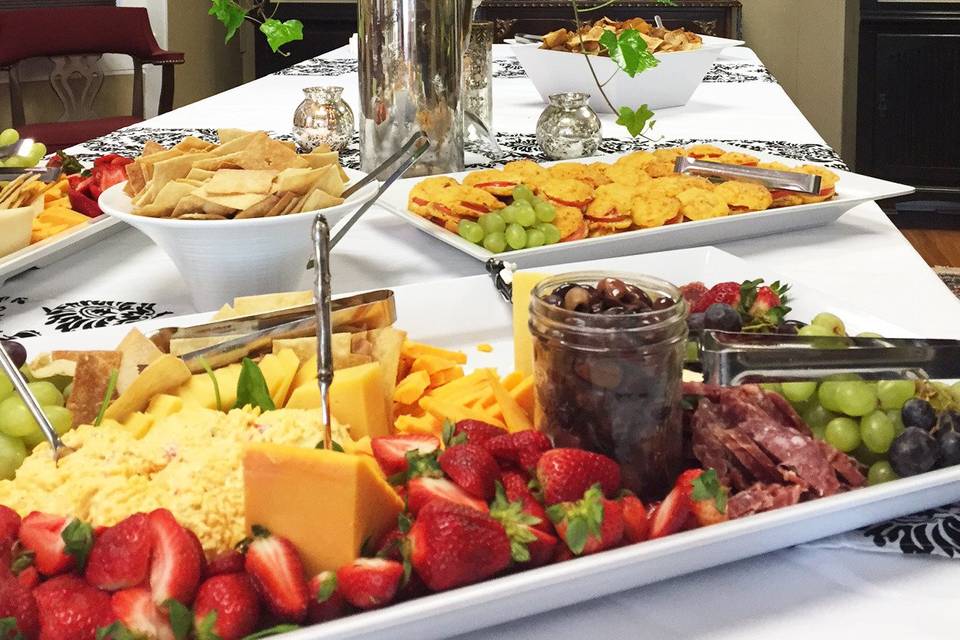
x=939 y=247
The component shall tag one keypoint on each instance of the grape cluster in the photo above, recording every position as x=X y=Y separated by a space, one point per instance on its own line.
x=34 y=153
x=882 y=424
x=524 y=224
x=19 y=432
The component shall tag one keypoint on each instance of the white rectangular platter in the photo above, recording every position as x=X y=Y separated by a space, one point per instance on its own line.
x=59 y=246
x=465 y=312
x=669 y=84
x=852 y=189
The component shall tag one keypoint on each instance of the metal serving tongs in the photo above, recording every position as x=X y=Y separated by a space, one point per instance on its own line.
x=737 y=358
x=56 y=445
x=321 y=297
x=770 y=178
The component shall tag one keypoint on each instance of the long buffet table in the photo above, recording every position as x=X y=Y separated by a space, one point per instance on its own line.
x=862 y=259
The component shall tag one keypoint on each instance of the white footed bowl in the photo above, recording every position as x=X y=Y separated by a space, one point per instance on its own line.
x=222 y=259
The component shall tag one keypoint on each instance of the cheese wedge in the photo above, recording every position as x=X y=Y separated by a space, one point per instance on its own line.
x=163 y=375
x=523 y=284
x=326 y=503
x=356 y=400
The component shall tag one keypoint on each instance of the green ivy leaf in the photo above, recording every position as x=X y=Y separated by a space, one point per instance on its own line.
x=230 y=14
x=252 y=387
x=281 y=33
x=78 y=540
x=636 y=120
x=629 y=51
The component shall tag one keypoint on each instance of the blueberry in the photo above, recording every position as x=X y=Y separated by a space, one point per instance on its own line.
x=695 y=322
x=722 y=317
x=918 y=413
x=949 y=442
x=16 y=351
x=949 y=421
x=913 y=451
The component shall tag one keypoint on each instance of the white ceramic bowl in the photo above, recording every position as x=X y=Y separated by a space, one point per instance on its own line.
x=223 y=259
x=669 y=84
x=16 y=225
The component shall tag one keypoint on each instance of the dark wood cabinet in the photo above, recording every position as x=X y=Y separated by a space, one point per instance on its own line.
x=908 y=128
x=711 y=17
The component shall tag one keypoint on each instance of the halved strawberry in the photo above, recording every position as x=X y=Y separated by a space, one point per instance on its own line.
x=120 y=557
x=391 y=451
x=636 y=520
x=421 y=491
x=58 y=544
x=137 y=611
x=277 y=572
x=228 y=606
x=326 y=602
x=565 y=474
x=670 y=515
x=590 y=524
x=177 y=564
x=472 y=468
x=369 y=583
x=706 y=497
x=720 y=293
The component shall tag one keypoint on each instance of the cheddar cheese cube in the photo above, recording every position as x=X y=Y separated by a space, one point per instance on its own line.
x=356 y=400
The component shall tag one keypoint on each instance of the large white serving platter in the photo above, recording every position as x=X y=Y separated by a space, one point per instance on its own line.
x=59 y=246
x=464 y=312
x=853 y=189
x=669 y=84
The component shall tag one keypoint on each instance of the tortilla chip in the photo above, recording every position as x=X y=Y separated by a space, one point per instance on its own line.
x=249 y=305
x=181 y=346
x=233 y=181
x=202 y=216
x=236 y=202
x=136 y=351
x=387 y=344
x=151 y=147
x=224 y=312
x=284 y=201
x=47 y=366
x=193 y=144
x=90 y=384
x=263 y=152
x=260 y=209
x=317 y=160
x=319 y=199
x=196 y=204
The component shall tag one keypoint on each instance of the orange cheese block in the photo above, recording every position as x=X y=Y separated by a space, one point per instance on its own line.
x=356 y=400
x=411 y=387
x=415 y=350
x=326 y=503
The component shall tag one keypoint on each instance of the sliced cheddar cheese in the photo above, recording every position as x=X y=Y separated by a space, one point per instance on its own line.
x=523 y=284
x=513 y=414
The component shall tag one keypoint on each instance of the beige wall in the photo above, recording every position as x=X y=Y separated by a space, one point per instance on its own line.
x=811 y=47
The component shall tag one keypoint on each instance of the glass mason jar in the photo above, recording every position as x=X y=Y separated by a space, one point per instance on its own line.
x=613 y=383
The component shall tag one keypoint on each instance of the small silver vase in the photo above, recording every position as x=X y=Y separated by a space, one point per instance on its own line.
x=568 y=127
x=323 y=118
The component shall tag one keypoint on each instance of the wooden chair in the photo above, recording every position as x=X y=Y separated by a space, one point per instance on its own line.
x=74 y=39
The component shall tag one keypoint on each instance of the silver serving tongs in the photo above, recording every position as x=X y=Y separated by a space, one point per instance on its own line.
x=321 y=296
x=770 y=178
x=56 y=445
x=737 y=358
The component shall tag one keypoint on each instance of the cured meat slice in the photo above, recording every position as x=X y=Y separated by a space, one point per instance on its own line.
x=787 y=414
x=796 y=452
x=707 y=426
x=847 y=467
x=752 y=457
x=762 y=497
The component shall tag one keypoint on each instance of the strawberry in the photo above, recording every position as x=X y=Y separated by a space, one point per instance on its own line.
x=391 y=451
x=542 y=550
x=636 y=522
x=722 y=293
x=29 y=577
x=528 y=545
x=450 y=545
x=369 y=583
x=522 y=447
x=590 y=524
x=766 y=306
x=228 y=606
x=70 y=609
x=706 y=497
x=471 y=468
x=477 y=432
x=516 y=489
x=565 y=474
x=58 y=544
x=120 y=557
x=389 y=545
x=421 y=491
x=227 y=562
x=136 y=610
x=670 y=515
x=9 y=527
x=277 y=572
x=326 y=602
x=17 y=602
x=177 y=562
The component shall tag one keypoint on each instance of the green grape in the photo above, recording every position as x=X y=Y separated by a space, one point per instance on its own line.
x=546 y=212
x=817 y=417
x=830 y=322
x=508 y=214
x=772 y=386
x=877 y=431
x=67 y=390
x=843 y=434
x=880 y=472
x=37 y=151
x=495 y=242
x=516 y=237
x=12 y=454
x=799 y=391
x=856 y=398
x=867 y=457
x=827 y=394
x=492 y=223
x=19 y=162
x=523 y=192
x=470 y=231
x=868 y=334
x=551 y=233
x=820 y=433
x=8 y=136
x=814 y=330
x=27 y=374
x=896 y=417
x=60 y=417
x=46 y=393
x=535 y=238
x=15 y=418
x=6 y=387
x=526 y=216
x=892 y=394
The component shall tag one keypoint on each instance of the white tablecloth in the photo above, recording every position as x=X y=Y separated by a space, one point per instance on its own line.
x=789 y=594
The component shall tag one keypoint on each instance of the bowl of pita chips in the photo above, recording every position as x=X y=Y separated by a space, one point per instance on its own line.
x=234 y=217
